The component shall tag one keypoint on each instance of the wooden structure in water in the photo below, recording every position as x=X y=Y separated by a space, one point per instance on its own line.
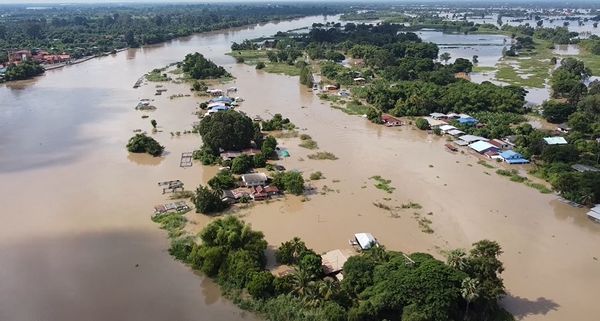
x=138 y=83
x=186 y=159
x=171 y=186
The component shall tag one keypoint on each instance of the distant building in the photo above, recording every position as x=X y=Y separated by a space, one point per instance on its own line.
x=438 y=116
x=446 y=128
x=501 y=144
x=467 y=120
x=17 y=57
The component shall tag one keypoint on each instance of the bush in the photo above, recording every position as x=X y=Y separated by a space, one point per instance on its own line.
x=140 y=143
x=198 y=67
x=206 y=156
x=422 y=124
x=260 y=65
x=316 y=176
x=222 y=181
x=289 y=181
x=227 y=130
x=259 y=160
x=268 y=146
x=277 y=123
x=261 y=285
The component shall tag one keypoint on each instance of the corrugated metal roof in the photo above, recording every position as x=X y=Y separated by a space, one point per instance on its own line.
x=481 y=146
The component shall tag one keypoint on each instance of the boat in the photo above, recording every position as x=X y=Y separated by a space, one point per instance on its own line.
x=451 y=147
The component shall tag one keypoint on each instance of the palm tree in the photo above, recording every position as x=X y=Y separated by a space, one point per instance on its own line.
x=445 y=57
x=469 y=291
x=302 y=280
x=327 y=288
x=457 y=259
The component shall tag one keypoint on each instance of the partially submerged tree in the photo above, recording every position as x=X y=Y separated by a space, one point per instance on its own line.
x=140 y=143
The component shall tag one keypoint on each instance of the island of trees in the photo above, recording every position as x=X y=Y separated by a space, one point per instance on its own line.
x=378 y=284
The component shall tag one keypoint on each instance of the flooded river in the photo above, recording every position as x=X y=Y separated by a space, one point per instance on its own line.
x=77 y=241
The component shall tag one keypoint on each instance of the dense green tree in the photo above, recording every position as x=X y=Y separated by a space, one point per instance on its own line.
x=198 y=67
x=261 y=285
x=208 y=201
x=141 y=143
x=422 y=123
x=291 y=181
x=222 y=181
x=289 y=252
x=557 y=112
x=228 y=130
x=24 y=70
x=241 y=164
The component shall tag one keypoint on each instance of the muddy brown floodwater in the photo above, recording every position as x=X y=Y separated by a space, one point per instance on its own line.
x=77 y=241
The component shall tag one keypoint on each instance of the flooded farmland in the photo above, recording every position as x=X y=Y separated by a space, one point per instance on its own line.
x=77 y=237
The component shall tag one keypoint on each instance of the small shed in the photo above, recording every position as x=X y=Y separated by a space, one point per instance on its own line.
x=512 y=157
x=482 y=147
x=254 y=179
x=365 y=240
x=555 y=140
x=500 y=144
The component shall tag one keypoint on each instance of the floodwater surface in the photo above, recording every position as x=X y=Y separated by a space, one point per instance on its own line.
x=77 y=241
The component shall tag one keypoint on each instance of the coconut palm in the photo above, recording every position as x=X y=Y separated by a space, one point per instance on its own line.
x=302 y=280
x=327 y=288
x=470 y=292
x=457 y=259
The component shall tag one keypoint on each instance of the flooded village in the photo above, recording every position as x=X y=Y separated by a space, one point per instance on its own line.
x=78 y=206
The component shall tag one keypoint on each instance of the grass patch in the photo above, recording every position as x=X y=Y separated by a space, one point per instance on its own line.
x=484 y=164
x=412 y=205
x=316 y=176
x=157 y=75
x=282 y=68
x=322 y=156
x=383 y=184
x=309 y=144
x=173 y=223
x=514 y=176
x=284 y=134
x=382 y=206
x=181 y=194
x=251 y=57
x=483 y=69
x=534 y=63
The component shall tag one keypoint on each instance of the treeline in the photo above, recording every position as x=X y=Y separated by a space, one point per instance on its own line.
x=377 y=284
x=90 y=30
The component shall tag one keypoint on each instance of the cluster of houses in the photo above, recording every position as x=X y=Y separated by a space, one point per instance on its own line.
x=254 y=187
x=221 y=103
x=43 y=57
x=498 y=149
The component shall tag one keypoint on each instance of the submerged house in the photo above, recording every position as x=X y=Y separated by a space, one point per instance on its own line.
x=364 y=241
x=512 y=157
x=254 y=179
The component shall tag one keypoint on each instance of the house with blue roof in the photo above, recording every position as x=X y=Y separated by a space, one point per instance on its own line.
x=512 y=157
x=468 y=120
x=221 y=99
